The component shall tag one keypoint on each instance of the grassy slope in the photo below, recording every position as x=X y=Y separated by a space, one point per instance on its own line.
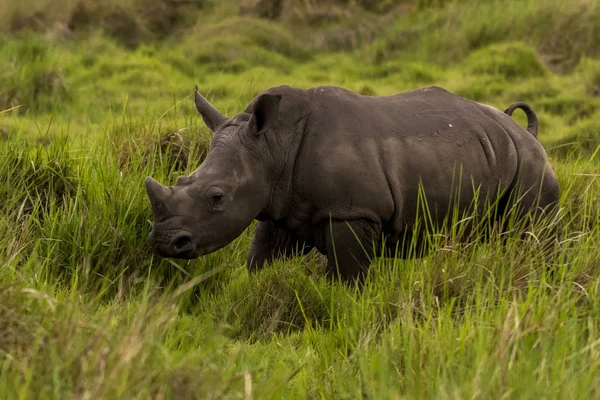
x=87 y=311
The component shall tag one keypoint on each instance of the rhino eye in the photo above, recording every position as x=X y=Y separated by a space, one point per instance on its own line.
x=215 y=197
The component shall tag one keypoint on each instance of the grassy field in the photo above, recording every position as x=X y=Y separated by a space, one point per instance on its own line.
x=94 y=99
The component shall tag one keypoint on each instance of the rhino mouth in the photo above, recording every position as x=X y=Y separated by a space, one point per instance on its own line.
x=185 y=255
x=208 y=250
x=181 y=254
x=193 y=253
x=179 y=248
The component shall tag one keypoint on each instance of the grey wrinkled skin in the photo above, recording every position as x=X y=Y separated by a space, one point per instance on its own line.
x=311 y=164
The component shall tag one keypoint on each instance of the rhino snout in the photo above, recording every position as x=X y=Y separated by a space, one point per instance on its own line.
x=182 y=242
x=178 y=245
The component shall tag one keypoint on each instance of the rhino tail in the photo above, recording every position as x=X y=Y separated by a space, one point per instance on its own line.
x=532 y=120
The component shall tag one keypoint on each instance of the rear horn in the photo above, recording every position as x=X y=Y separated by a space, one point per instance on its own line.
x=211 y=116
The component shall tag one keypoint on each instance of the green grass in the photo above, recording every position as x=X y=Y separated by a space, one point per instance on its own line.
x=88 y=311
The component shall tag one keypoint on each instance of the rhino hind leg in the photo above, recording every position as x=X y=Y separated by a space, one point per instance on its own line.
x=535 y=210
x=349 y=248
x=271 y=242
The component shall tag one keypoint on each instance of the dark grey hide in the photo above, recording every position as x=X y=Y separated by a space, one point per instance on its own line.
x=329 y=169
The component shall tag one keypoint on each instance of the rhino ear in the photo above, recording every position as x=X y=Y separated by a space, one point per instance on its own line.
x=266 y=111
x=158 y=194
x=211 y=116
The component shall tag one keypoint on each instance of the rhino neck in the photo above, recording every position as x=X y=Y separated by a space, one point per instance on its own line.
x=282 y=174
x=281 y=148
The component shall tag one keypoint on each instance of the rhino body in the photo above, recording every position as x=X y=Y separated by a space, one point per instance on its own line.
x=330 y=169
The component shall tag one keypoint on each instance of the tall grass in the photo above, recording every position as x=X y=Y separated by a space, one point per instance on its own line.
x=472 y=319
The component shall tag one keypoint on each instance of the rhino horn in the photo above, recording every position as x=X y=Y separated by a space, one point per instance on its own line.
x=211 y=116
x=158 y=194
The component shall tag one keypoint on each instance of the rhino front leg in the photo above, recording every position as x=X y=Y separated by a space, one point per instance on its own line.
x=271 y=242
x=350 y=248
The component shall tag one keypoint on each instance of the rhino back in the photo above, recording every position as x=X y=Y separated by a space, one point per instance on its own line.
x=363 y=157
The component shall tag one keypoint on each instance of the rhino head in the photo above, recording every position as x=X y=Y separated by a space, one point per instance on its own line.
x=211 y=207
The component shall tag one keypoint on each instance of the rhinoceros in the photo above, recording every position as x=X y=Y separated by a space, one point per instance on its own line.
x=346 y=174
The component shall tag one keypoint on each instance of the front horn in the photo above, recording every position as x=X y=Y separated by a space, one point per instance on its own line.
x=158 y=195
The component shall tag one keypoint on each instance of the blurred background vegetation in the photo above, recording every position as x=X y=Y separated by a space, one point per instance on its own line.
x=84 y=57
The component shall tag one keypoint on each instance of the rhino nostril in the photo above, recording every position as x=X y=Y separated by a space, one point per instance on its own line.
x=181 y=241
